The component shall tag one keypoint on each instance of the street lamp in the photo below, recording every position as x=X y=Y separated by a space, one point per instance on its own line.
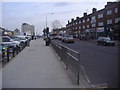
x=46 y=31
x=46 y=18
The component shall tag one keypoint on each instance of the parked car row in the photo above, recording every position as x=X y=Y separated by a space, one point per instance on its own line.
x=65 y=39
x=106 y=41
x=17 y=41
x=13 y=45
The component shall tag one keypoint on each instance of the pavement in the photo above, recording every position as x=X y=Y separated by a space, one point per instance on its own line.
x=37 y=66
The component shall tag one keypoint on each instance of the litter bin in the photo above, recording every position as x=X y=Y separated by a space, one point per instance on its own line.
x=47 y=41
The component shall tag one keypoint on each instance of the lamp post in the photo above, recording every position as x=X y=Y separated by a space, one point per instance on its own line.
x=46 y=18
x=47 y=32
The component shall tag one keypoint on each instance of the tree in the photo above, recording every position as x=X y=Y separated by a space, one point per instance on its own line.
x=56 y=24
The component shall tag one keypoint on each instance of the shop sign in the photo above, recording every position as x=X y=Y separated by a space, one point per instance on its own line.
x=100 y=29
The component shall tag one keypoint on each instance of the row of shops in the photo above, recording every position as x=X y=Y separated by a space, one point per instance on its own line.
x=111 y=31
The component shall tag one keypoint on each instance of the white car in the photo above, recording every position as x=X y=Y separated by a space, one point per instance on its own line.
x=23 y=38
x=7 y=41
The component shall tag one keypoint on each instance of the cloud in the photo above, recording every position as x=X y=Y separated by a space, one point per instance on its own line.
x=60 y=4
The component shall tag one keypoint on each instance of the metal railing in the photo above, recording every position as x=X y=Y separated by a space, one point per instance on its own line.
x=70 y=61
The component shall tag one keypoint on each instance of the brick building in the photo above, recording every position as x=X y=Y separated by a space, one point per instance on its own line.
x=59 y=31
x=103 y=22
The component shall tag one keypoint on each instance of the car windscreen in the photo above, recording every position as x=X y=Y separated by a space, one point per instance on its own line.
x=106 y=39
x=16 y=39
x=5 y=39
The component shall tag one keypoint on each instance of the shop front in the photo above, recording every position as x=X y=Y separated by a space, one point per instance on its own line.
x=100 y=32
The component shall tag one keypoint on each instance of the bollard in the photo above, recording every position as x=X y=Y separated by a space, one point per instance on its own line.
x=28 y=43
x=13 y=52
x=7 y=54
x=17 y=49
x=3 y=54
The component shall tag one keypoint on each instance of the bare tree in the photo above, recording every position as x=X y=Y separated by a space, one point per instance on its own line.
x=56 y=24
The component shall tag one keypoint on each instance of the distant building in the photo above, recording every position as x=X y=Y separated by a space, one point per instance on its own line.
x=27 y=29
x=103 y=22
x=17 y=31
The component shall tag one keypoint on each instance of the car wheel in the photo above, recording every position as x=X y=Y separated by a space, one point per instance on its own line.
x=104 y=44
x=113 y=44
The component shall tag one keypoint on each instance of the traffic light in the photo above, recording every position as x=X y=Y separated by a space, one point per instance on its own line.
x=47 y=30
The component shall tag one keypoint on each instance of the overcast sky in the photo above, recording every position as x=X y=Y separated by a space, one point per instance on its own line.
x=17 y=12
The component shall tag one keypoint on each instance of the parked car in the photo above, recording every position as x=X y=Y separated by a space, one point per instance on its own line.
x=22 y=38
x=69 y=39
x=60 y=38
x=7 y=41
x=83 y=37
x=29 y=37
x=63 y=38
x=19 y=40
x=105 y=41
x=56 y=37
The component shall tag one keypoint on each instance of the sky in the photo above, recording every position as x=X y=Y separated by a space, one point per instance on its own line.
x=15 y=12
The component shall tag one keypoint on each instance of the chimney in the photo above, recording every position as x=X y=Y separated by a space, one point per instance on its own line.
x=68 y=22
x=109 y=3
x=94 y=10
x=84 y=14
x=77 y=18
x=72 y=20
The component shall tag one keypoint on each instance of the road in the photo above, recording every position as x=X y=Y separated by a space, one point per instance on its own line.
x=100 y=62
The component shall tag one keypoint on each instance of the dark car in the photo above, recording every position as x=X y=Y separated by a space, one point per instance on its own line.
x=69 y=39
x=105 y=41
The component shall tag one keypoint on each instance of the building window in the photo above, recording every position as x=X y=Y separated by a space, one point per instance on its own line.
x=93 y=18
x=88 y=26
x=100 y=16
x=83 y=21
x=79 y=27
x=116 y=10
x=88 y=19
x=117 y=20
x=109 y=21
x=109 y=12
x=79 y=22
x=83 y=26
x=93 y=25
x=100 y=24
x=76 y=28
